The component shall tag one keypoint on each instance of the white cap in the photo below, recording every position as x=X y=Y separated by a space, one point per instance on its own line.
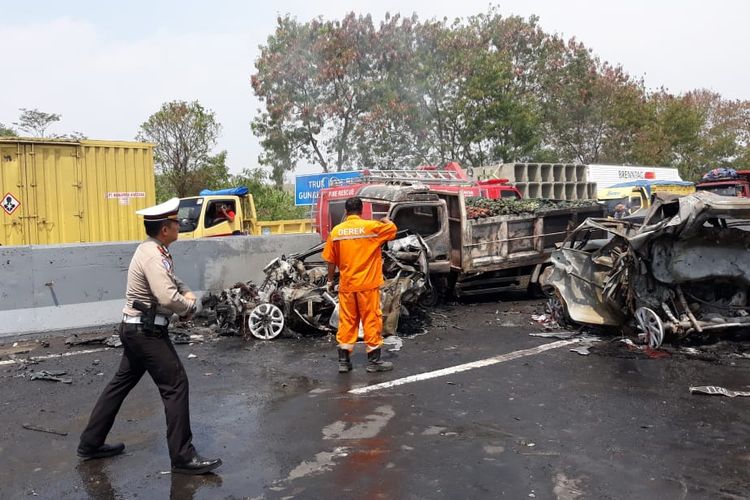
x=162 y=211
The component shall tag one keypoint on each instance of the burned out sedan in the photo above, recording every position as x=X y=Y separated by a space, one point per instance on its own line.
x=684 y=271
x=293 y=293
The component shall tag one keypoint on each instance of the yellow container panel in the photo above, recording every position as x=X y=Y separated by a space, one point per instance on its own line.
x=53 y=194
x=118 y=179
x=13 y=187
x=71 y=192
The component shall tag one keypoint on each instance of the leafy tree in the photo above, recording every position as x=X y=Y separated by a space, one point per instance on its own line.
x=35 y=122
x=271 y=203
x=7 y=131
x=184 y=134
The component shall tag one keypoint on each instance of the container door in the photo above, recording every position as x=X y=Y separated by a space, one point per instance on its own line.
x=54 y=191
x=14 y=201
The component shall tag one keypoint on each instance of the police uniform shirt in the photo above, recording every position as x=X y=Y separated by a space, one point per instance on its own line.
x=151 y=280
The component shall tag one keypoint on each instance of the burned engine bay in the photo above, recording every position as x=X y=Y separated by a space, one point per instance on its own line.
x=293 y=294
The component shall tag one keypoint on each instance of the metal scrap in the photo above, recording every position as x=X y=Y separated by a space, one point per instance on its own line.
x=293 y=294
x=713 y=390
x=32 y=427
x=51 y=375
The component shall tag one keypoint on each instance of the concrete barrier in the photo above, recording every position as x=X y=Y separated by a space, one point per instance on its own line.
x=60 y=287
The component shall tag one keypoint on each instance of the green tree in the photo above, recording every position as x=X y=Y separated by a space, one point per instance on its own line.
x=35 y=122
x=7 y=131
x=271 y=203
x=184 y=134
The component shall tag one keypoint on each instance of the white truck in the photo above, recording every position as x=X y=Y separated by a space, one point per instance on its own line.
x=569 y=181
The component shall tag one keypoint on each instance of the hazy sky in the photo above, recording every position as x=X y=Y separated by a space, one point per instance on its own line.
x=106 y=66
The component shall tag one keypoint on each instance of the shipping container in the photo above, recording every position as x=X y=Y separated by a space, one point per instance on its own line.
x=59 y=191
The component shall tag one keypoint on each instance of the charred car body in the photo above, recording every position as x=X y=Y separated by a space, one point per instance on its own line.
x=293 y=293
x=685 y=271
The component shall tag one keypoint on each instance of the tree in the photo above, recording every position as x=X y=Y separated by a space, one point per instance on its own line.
x=184 y=134
x=7 y=131
x=35 y=122
x=271 y=203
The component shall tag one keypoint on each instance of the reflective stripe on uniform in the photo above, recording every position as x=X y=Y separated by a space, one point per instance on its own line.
x=356 y=237
x=348 y=347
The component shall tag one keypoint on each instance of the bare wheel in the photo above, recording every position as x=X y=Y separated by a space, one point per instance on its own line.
x=650 y=323
x=557 y=312
x=266 y=321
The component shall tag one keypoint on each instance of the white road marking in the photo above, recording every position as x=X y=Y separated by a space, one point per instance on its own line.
x=370 y=428
x=50 y=356
x=464 y=367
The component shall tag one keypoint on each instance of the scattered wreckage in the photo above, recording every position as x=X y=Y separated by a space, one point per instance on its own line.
x=293 y=294
x=684 y=271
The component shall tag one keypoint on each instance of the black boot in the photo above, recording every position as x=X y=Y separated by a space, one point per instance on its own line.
x=345 y=364
x=375 y=364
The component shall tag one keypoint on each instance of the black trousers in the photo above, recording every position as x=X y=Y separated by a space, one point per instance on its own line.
x=154 y=353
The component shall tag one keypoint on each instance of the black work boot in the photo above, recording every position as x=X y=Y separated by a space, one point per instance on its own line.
x=375 y=364
x=345 y=364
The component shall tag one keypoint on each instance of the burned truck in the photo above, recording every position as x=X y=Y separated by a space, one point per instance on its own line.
x=470 y=252
x=293 y=294
x=685 y=271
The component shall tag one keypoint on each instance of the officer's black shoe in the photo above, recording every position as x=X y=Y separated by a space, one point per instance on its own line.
x=198 y=465
x=375 y=364
x=345 y=363
x=105 y=450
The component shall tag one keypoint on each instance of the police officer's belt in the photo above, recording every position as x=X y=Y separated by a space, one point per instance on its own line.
x=159 y=320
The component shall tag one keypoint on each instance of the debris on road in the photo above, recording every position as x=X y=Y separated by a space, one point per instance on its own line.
x=51 y=375
x=43 y=429
x=556 y=335
x=76 y=339
x=113 y=341
x=684 y=272
x=582 y=350
x=192 y=356
x=394 y=343
x=713 y=390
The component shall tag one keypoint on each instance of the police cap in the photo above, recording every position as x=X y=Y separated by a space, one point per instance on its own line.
x=162 y=211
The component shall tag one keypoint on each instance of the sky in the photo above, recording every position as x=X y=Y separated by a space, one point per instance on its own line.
x=106 y=66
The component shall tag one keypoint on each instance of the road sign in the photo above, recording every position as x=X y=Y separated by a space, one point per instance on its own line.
x=307 y=187
x=9 y=203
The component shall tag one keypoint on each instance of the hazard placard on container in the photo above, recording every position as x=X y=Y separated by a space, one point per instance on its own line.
x=10 y=203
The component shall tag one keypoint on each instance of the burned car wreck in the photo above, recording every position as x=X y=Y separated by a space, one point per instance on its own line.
x=293 y=294
x=685 y=271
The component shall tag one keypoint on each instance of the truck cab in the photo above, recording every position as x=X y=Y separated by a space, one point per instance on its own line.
x=200 y=216
x=637 y=195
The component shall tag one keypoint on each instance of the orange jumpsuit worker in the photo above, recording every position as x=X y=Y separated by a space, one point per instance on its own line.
x=354 y=247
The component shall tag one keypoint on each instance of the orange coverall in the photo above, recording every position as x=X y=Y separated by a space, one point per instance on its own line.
x=354 y=247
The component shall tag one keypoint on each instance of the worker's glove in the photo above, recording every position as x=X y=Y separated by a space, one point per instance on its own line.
x=330 y=287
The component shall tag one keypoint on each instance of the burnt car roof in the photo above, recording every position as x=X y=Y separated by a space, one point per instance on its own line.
x=397 y=192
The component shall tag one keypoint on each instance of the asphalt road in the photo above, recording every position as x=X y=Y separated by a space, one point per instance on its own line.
x=547 y=425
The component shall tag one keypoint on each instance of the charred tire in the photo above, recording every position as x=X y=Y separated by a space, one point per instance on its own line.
x=558 y=312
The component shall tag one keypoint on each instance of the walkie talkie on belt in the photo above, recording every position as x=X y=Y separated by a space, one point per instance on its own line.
x=148 y=315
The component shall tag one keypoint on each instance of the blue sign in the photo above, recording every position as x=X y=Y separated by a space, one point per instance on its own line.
x=307 y=187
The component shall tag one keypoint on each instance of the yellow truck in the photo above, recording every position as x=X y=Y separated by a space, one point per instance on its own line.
x=229 y=212
x=635 y=195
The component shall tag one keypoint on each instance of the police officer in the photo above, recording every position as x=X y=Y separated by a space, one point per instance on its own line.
x=153 y=294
